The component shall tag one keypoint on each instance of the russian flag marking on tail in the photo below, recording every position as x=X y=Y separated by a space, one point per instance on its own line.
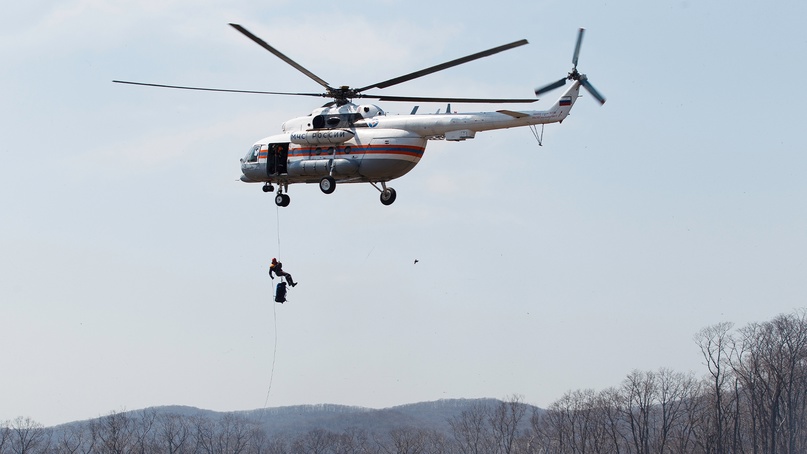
x=565 y=101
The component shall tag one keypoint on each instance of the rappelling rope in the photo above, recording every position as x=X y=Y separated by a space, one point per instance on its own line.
x=274 y=316
x=274 y=357
x=278 y=230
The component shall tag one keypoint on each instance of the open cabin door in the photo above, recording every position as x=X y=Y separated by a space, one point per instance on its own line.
x=277 y=158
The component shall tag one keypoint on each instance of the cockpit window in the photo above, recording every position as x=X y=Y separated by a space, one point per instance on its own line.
x=252 y=156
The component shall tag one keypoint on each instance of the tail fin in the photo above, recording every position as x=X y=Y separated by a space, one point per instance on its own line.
x=564 y=104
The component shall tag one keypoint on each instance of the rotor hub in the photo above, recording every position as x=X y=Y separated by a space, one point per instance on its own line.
x=573 y=75
x=342 y=95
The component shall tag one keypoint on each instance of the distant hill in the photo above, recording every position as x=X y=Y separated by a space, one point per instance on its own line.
x=336 y=418
x=293 y=421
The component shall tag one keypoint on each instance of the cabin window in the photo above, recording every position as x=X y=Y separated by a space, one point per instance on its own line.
x=347 y=150
x=318 y=151
x=331 y=151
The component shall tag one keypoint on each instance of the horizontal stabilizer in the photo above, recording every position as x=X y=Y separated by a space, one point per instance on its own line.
x=514 y=114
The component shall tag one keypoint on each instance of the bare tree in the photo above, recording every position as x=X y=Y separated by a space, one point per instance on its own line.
x=234 y=433
x=173 y=433
x=27 y=436
x=571 y=415
x=204 y=435
x=771 y=364
x=715 y=344
x=74 y=439
x=540 y=438
x=258 y=441
x=317 y=441
x=691 y=424
x=673 y=390
x=277 y=445
x=114 y=433
x=407 y=440
x=504 y=421
x=558 y=428
x=438 y=443
x=143 y=431
x=470 y=430
x=612 y=405
x=355 y=441
x=640 y=390
x=5 y=435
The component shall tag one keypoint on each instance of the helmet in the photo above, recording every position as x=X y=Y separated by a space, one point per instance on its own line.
x=274 y=260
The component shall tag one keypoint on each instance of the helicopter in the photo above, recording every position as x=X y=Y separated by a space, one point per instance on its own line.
x=344 y=142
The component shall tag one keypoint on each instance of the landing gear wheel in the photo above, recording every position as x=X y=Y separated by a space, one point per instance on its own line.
x=327 y=184
x=282 y=200
x=268 y=187
x=388 y=196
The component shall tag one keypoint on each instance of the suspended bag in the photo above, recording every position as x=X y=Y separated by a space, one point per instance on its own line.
x=280 y=293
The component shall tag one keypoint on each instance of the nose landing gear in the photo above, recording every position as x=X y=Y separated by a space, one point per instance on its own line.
x=387 y=194
x=282 y=200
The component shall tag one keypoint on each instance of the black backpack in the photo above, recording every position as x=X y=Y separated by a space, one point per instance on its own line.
x=280 y=293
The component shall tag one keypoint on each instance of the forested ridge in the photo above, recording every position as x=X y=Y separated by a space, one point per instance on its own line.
x=751 y=398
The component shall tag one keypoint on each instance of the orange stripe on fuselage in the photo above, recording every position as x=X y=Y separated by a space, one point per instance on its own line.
x=403 y=150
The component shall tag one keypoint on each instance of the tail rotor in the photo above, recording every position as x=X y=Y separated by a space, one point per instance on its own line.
x=574 y=75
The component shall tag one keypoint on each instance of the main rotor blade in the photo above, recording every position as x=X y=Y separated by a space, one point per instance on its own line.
x=577 y=46
x=319 y=95
x=550 y=87
x=443 y=99
x=446 y=65
x=280 y=55
x=585 y=83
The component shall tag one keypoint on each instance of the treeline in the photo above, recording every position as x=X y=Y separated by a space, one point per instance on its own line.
x=149 y=431
x=752 y=399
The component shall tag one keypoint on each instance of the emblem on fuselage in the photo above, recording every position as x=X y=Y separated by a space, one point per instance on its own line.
x=321 y=137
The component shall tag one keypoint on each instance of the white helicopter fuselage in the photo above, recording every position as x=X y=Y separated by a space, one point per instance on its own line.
x=360 y=143
x=343 y=142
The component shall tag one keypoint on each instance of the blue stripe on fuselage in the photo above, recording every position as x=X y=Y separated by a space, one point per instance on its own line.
x=405 y=150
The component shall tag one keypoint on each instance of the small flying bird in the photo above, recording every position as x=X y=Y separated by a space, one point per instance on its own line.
x=416 y=260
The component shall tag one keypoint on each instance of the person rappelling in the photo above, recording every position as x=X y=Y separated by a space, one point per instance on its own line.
x=277 y=268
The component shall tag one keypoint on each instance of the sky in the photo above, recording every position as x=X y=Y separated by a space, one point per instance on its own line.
x=134 y=264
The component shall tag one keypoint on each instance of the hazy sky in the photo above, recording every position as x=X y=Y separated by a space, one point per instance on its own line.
x=133 y=264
